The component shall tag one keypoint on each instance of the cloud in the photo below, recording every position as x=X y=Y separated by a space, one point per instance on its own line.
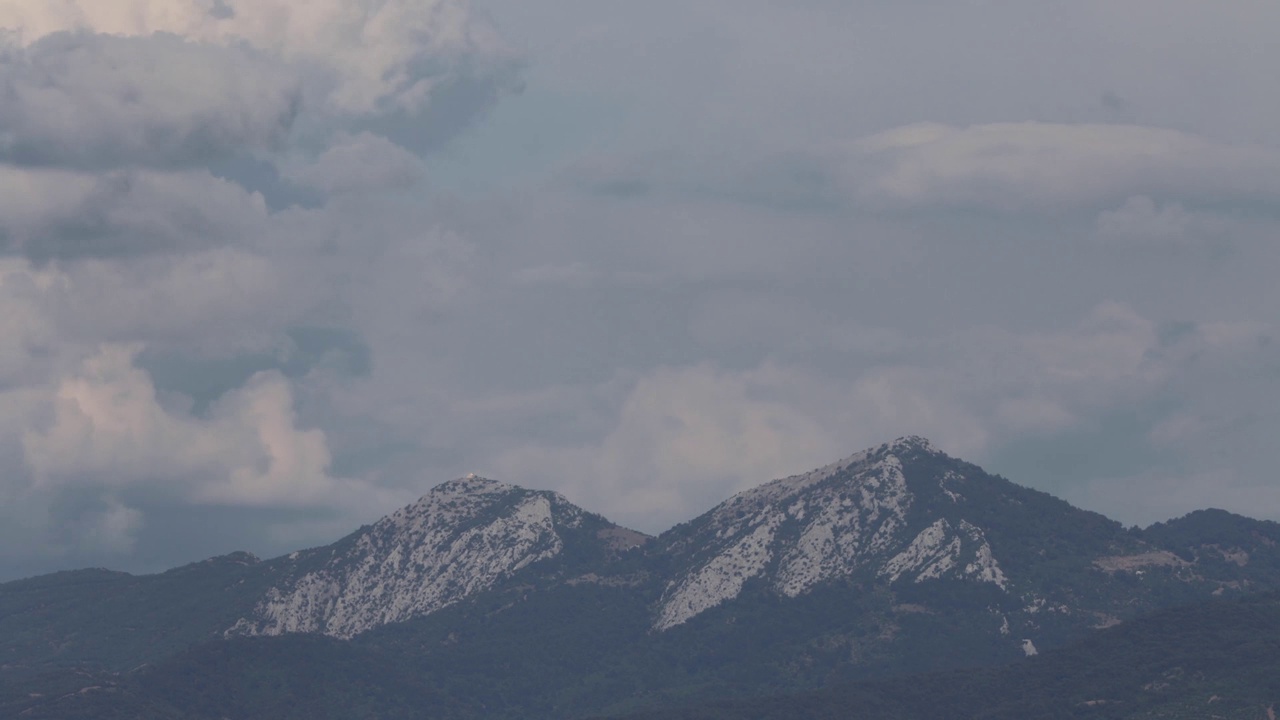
x=683 y=438
x=1018 y=168
x=100 y=101
x=225 y=298
x=238 y=225
x=360 y=163
x=24 y=323
x=361 y=58
x=52 y=213
x=980 y=386
x=1052 y=167
x=575 y=274
x=113 y=529
x=1143 y=221
x=109 y=427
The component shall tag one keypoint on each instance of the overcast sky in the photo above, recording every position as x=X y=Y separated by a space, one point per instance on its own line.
x=271 y=269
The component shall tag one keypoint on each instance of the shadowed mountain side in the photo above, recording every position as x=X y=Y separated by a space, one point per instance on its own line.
x=1215 y=660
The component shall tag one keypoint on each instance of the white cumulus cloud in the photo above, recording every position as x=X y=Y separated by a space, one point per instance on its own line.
x=110 y=427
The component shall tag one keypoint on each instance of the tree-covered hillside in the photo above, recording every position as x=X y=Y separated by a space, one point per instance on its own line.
x=1216 y=660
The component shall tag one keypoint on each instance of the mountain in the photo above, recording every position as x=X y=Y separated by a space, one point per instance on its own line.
x=940 y=538
x=485 y=599
x=112 y=620
x=463 y=537
x=896 y=512
x=1219 y=659
x=1234 y=546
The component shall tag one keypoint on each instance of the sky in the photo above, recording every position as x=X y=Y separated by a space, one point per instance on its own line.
x=270 y=270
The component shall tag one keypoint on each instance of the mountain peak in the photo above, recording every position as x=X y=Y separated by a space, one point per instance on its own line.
x=856 y=515
x=464 y=536
x=911 y=442
x=881 y=455
x=472 y=483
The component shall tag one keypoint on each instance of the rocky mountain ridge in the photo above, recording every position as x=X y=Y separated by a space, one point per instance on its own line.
x=463 y=537
x=825 y=524
x=870 y=562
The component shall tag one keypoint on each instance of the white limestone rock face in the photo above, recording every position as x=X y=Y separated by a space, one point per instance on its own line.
x=943 y=551
x=461 y=538
x=832 y=529
x=848 y=525
x=930 y=554
x=796 y=533
x=722 y=577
